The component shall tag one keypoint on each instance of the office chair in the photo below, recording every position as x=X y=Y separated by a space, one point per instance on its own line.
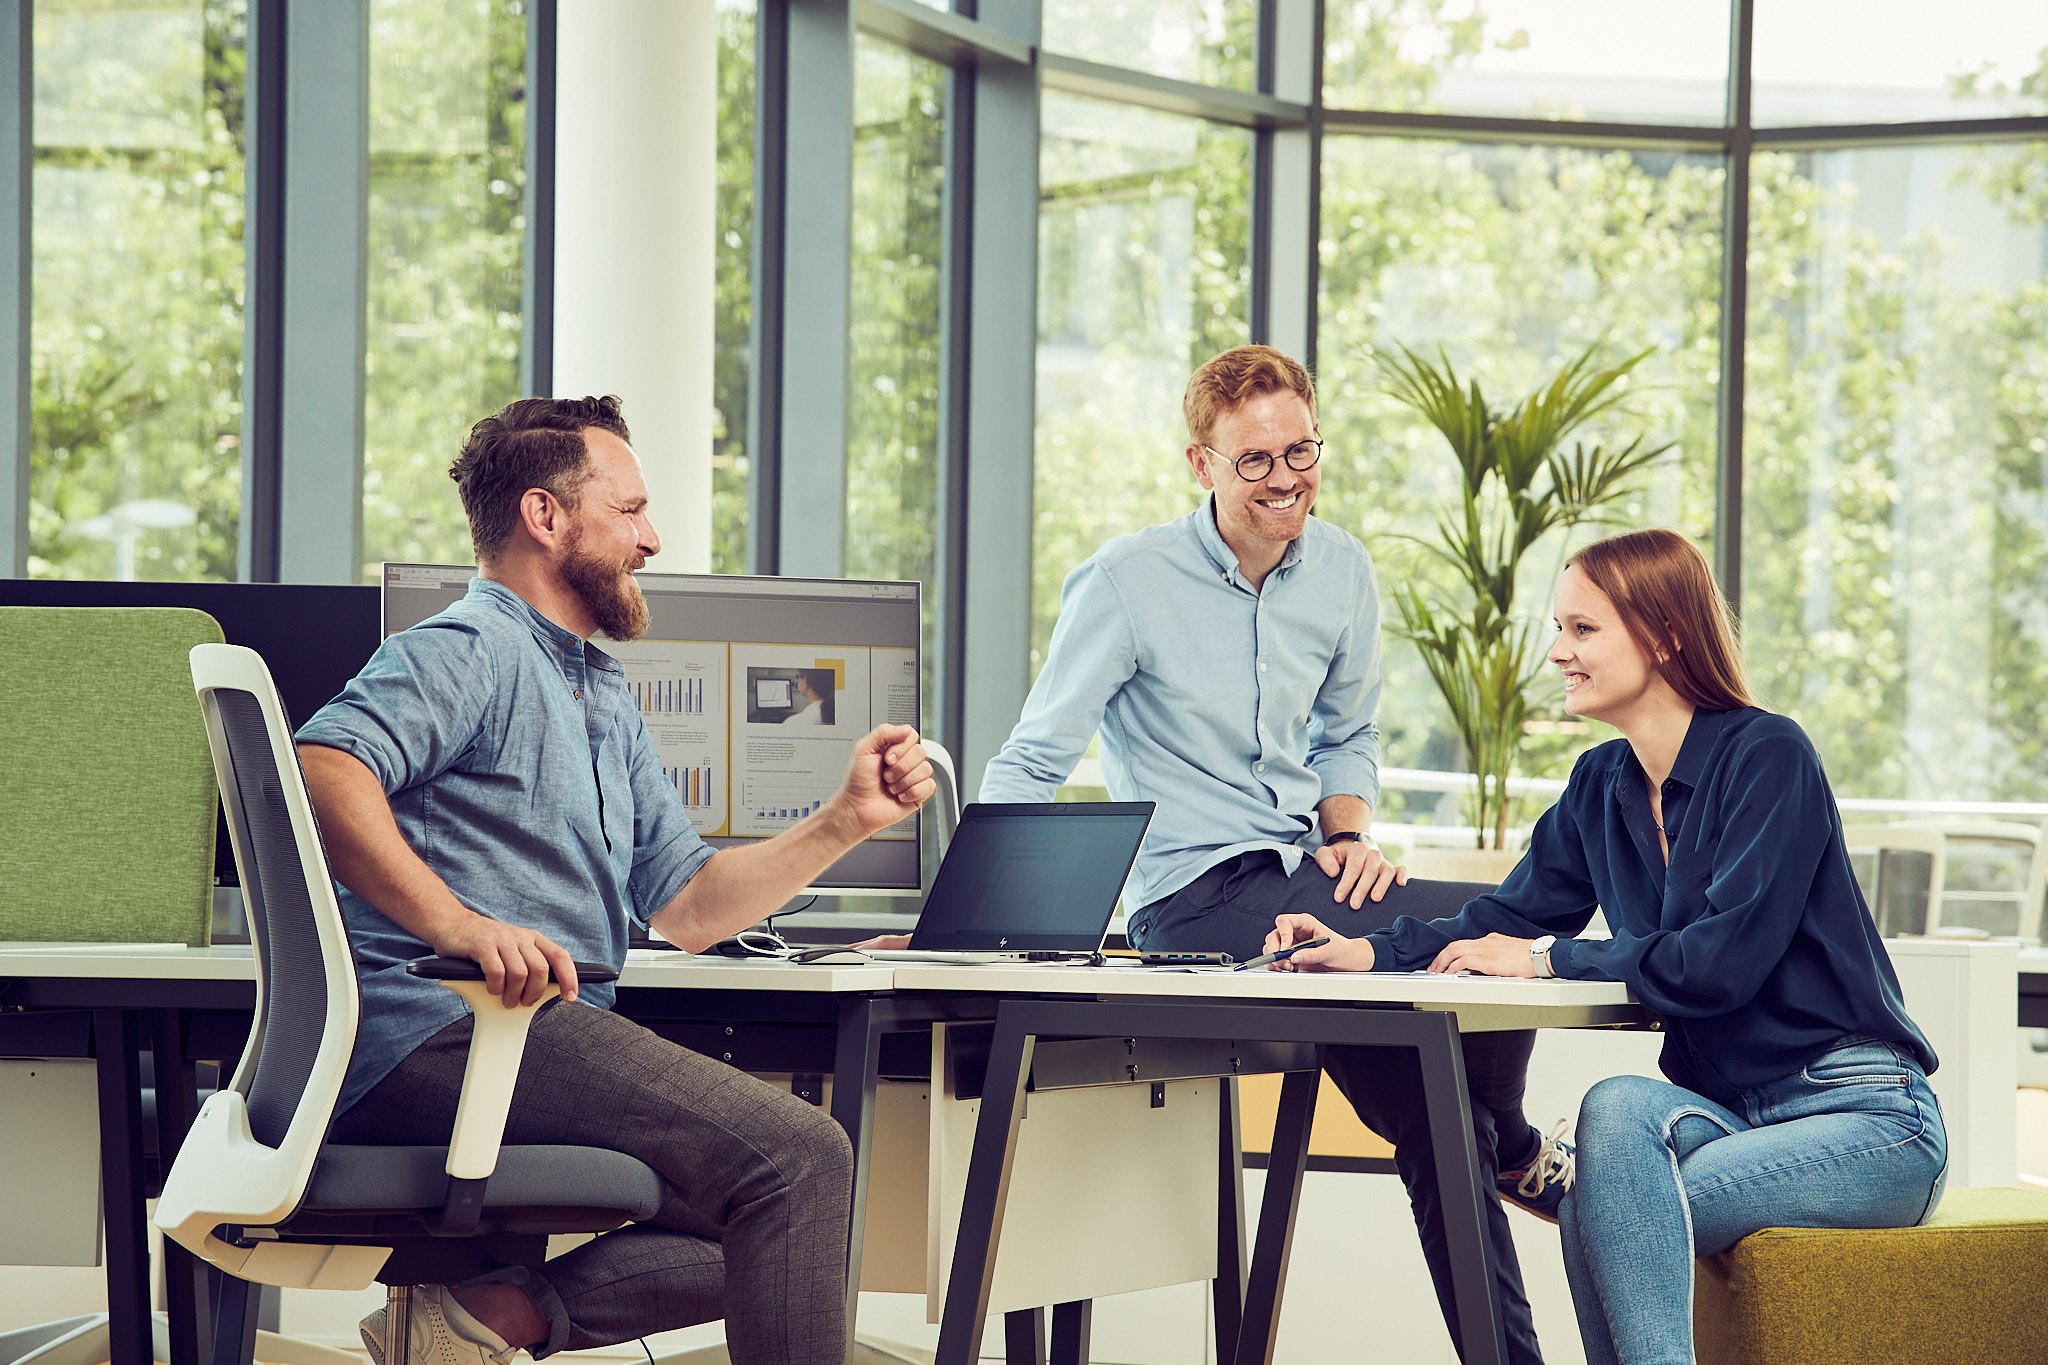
x=257 y=1190
x=1901 y=868
x=113 y=839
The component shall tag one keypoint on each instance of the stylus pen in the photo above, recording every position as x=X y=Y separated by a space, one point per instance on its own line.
x=1263 y=958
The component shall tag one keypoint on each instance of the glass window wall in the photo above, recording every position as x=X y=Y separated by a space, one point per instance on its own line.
x=135 y=468
x=1143 y=273
x=447 y=221
x=1895 y=509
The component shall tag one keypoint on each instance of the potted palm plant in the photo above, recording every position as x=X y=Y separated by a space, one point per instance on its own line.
x=1519 y=485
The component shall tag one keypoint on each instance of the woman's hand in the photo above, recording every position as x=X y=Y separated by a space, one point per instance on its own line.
x=1494 y=955
x=1340 y=954
x=889 y=942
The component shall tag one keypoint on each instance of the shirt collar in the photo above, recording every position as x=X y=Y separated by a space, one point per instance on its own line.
x=1221 y=555
x=563 y=643
x=1700 y=738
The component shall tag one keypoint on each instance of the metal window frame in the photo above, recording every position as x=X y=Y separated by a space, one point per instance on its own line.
x=537 y=250
x=17 y=164
x=263 y=181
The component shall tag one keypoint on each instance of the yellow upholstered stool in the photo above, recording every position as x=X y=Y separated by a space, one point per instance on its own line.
x=1970 y=1287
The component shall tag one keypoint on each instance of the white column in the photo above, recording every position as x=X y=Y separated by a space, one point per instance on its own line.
x=635 y=155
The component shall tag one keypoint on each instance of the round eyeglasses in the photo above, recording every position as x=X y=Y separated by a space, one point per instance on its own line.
x=1254 y=465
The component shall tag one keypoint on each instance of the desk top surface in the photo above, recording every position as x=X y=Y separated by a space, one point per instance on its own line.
x=1393 y=988
x=648 y=968
x=644 y=967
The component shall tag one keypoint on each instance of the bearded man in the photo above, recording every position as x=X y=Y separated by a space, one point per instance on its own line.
x=487 y=789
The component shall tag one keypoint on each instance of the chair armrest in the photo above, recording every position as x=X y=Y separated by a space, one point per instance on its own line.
x=497 y=1044
x=462 y=969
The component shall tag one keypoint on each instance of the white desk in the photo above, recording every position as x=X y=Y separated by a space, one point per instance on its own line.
x=1417 y=1012
x=97 y=1001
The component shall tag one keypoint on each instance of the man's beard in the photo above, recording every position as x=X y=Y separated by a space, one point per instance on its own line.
x=607 y=592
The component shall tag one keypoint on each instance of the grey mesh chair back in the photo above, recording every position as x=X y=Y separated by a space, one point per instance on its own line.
x=282 y=927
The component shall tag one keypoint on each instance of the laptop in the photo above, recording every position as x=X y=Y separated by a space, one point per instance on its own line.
x=1027 y=882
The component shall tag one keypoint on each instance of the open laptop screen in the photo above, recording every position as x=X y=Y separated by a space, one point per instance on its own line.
x=1030 y=878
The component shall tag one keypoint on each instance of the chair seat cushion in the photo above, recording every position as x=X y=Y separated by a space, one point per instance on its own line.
x=355 y=1179
x=1964 y=1288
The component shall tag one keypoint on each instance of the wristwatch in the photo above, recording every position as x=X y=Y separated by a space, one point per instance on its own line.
x=1539 y=954
x=1350 y=836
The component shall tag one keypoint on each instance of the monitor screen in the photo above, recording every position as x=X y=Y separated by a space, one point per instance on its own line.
x=314 y=637
x=754 y=691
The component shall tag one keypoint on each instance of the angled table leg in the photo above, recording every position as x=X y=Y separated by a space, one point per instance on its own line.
x=1458 y=1180
x=856 y=1058
x=988 y=1190
x=1285 y=1164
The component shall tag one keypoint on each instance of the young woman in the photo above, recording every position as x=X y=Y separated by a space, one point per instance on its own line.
x=1798 y=1088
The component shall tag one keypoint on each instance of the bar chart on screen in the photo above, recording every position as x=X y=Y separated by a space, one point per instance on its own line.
x=680 y=688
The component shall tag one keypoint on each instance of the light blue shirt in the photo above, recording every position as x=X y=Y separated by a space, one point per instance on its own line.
x=520 y=770
x=1236 y=710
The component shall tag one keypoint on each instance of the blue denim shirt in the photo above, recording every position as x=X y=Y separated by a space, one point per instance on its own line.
x=1236 y=710
x=1754 y=943
x=519 y=769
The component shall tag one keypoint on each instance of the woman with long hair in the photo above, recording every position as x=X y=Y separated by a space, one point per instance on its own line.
x=1797 y=1092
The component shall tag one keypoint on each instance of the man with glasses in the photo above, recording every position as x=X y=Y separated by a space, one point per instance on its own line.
x=1230 y=661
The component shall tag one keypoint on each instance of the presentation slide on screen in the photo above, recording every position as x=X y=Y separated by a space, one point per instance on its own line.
x=681 y=688
x=754 y=736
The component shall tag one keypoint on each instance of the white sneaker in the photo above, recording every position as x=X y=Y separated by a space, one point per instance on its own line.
x=443 y=1333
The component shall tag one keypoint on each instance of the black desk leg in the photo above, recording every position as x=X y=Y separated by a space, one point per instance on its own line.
x=1450 y=1132
x=1024 y=1336
x=177 y=1104
x=116 y=1036
x=1070 y=1324
x=234 y=1320
x=1277 y=1206
x=988 y=1191
x=1227 y=1290
x=856 y=1057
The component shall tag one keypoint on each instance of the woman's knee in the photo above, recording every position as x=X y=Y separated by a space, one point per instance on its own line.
x=1623 y=1103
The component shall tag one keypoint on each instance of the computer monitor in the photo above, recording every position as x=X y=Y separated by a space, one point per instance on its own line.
x=754 y=690
x=315 y=637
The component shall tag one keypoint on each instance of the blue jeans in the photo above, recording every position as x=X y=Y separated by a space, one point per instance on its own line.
x=1854 y=1139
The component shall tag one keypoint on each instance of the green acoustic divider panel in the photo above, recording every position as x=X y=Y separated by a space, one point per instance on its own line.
x=1969 y=1287
x=107 y=799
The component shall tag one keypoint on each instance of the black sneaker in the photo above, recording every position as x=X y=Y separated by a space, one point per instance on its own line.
x=1539 y=1186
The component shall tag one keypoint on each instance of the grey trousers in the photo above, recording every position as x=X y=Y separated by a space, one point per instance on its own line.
x=761 y=1185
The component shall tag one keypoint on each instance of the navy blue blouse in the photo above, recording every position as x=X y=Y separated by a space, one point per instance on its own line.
x=1754 y=945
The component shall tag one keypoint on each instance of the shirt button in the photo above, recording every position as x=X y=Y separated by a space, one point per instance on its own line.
x=578 y=694
x=1262 y=666
x=1258 y=767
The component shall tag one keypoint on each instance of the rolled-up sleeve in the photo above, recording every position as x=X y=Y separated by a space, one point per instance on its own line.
x=1093 y=653
x=415 y=708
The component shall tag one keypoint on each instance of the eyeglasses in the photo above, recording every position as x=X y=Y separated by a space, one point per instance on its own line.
x=1254 y=465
